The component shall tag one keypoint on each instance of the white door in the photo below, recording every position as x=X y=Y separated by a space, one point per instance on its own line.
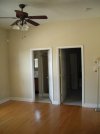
x=50 y=77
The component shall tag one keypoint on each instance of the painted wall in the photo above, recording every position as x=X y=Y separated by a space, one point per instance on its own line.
x=53 y=35
x=4 y=79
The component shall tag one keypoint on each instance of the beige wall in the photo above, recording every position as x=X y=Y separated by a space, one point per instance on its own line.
x=53 y=35
x=4 y=81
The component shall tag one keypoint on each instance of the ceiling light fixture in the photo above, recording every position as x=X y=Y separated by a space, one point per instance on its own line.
x=15 y=27
x=23 y=18
x=21 y=26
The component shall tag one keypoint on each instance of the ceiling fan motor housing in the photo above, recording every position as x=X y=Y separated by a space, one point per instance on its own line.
x=21 y=15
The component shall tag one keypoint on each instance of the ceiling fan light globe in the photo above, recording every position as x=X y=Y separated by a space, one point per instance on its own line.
x=25 y=27
x=15 y=27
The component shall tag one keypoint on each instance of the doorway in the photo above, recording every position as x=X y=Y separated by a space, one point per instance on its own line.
x=70 y=76
x=42 y=82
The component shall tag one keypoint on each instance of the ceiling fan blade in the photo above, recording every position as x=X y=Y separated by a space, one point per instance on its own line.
x=16 y=22
x=38 y=17
x=32 y=22
x=8 y=18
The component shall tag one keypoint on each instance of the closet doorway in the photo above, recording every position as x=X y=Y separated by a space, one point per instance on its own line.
x=70 y=76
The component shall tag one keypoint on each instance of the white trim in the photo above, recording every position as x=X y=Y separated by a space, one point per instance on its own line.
x=83 y=90
x=21 y=99
x=90 y=105
x=82 y=57
x=32 y=75
x=86 y=105
x=56 y=102
x=39 y=49
x=50 y=71
x=32 y=71
x=4 y=100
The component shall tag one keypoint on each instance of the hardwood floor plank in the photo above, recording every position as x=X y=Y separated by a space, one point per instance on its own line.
x=44 y=118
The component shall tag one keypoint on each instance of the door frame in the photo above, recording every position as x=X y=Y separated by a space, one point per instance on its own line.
x=82 y=63
x=50 y=72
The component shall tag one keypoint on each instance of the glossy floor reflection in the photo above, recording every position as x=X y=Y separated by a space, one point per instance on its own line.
x=44 y=118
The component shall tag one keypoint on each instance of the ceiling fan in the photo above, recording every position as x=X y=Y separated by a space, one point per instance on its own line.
x=23 y=17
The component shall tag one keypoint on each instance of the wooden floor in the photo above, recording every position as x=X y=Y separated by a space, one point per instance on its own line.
x=40 y=118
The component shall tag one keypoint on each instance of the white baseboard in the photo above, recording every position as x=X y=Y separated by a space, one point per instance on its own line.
x=90 y=105
x=56 y=102
x=87 y=105
x=21 y=99
x=4 y=100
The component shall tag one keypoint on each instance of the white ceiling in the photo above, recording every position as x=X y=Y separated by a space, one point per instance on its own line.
x=54 y=9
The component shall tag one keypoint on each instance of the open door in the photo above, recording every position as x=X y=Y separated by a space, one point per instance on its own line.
x=50 y=76
x=63 y=74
